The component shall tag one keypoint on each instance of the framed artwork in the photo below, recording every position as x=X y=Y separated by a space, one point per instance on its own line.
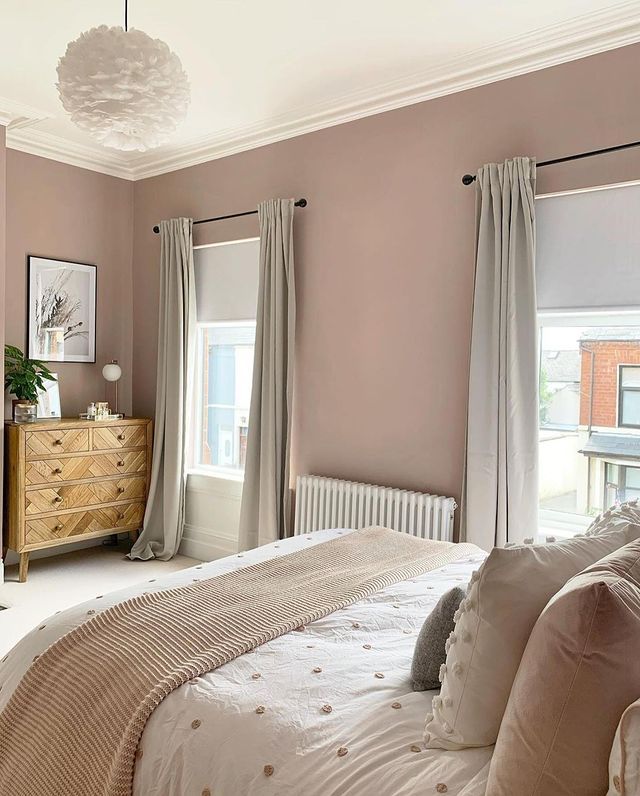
x=62 y=310
x=49 y=399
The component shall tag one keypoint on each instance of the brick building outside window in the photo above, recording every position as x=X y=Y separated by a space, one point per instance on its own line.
x=610 y=415
x=589 y=401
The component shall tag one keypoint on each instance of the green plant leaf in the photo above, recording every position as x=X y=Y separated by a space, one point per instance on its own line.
x=24 y=377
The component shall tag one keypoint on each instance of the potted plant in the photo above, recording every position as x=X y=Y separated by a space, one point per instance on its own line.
x=24 y=378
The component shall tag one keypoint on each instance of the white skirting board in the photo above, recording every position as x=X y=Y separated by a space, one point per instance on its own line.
x=206 y=544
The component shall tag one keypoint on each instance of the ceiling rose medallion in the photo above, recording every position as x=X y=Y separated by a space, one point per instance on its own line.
x=127 y=90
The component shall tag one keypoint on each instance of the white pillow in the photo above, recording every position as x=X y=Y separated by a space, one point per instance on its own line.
x=505 y=598
x=624 y=763
x=615 y=517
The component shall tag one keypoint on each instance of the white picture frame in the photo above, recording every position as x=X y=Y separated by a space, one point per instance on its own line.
x=62 y=310
x=49 y=400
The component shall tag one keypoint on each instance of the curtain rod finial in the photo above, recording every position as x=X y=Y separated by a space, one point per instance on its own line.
x=468 y=179
x=301 y=203
x=156 y=229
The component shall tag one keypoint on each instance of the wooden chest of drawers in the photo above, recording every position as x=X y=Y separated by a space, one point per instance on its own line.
x=72 y=479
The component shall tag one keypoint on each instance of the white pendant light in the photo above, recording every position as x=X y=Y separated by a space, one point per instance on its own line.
x=127 y=90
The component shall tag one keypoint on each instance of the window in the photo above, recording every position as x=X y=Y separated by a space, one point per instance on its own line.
x=226 y=299
x=629 y=396
x=621 y=483
x=589 y=316
x=225 y=371
x=588 y=459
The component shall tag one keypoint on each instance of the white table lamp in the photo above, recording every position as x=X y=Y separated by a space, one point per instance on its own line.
x=112 y=372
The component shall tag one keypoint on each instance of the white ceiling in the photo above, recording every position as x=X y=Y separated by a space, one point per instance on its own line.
x=263 y=70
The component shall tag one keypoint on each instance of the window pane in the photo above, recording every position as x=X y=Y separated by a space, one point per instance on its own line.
x=630 y=408
x=612 y=473
x=610 y=496
x=633 y=477
x=559 y=391
x=226 y=369
x=588 y=389
x=630 y=377
x=612 y=486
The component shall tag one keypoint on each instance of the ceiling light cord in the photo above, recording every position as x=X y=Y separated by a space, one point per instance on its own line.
x=126 y=14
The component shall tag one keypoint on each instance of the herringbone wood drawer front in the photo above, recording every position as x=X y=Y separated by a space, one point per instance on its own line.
x=111 y=437
x=75 y=468
x=62 y=498
x=41 y=443
x=65 y=526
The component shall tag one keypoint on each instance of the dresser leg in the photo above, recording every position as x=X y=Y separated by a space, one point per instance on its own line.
x=133 y=537
x=24 y=567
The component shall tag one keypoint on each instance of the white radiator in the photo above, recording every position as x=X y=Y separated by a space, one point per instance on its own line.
x=330 y=503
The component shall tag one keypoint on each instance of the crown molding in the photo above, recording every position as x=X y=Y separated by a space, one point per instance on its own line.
x=64 y=150
x=586 y=35
x=569 y=40
x=15 y=115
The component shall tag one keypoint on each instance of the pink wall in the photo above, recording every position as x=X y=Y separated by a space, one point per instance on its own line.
x=384 y=255
x=66 y=212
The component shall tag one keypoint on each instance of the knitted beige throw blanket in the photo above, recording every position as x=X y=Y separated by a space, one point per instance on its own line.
x=72 y=726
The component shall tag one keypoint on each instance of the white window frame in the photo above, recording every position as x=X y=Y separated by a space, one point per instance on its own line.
x=217 y=471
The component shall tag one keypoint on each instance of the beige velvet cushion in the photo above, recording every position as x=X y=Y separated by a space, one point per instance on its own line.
x=492 y=628
x=624 y=763
x=580 y=670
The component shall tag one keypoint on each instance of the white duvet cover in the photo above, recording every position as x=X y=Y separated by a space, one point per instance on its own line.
x=325 y=711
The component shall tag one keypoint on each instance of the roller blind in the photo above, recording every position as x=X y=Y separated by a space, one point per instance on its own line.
x=588 y=250
x=227 y=281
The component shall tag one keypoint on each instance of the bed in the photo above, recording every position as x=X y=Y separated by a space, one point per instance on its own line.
x=306 y=713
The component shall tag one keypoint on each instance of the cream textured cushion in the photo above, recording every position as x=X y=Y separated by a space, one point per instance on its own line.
x=580 y=670
x=624 y=763
x=615 y=518
x=493 y=624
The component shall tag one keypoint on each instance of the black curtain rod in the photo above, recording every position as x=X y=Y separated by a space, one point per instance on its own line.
x=297 y=203
x=469 y=178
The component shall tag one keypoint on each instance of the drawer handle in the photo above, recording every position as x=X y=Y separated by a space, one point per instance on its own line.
x=120 y=516
x=120 y=490
x=58 y=499
x=57 y=471
x=57 y=442
x=120 y=463
x=121 y=436
x=58 y=527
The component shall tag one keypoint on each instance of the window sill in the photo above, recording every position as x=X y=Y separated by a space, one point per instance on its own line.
x=561 y=525
x=205 y=482
x=221 y=475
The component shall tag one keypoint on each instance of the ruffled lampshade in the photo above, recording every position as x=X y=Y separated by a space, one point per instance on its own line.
x=127 y=90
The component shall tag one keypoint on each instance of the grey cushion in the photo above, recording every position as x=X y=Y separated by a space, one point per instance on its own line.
x=430 y=652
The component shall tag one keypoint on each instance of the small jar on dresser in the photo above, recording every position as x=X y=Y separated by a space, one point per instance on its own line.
x=67 y=480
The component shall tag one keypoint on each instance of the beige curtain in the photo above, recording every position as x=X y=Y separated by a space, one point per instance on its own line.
x=500 y=490
x=265 y=497
x=164 y=517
